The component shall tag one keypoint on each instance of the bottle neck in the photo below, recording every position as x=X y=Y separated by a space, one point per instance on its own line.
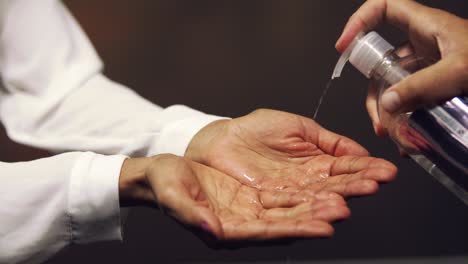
x=389 y=69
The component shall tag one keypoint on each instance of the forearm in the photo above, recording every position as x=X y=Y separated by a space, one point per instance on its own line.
x=53 y=202
x=55 y=96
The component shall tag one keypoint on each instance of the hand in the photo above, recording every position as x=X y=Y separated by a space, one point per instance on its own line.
x=272 y=150
x=207 y=199
x=434 y=34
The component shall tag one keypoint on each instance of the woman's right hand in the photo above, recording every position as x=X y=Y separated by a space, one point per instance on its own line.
x=434 y=34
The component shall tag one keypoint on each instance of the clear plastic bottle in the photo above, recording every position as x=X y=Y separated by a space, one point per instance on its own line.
x=435 y=137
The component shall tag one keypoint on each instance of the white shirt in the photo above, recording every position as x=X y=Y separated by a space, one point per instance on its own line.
x=54 y=96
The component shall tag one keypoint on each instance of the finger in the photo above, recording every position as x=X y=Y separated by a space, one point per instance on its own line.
x=275 y=199
x=329 y=142
x=379 y=175
x=348 y=168
x=304 y=208
x=360 y=183
x=330 y=213
x=330 y=210
x=372 y=95
x=401 y=13
x=358 y=187
x=435 y=84
x=337 y=145
x=268 y=229
x=405 y=49
x=372 y=109
x=371 y=106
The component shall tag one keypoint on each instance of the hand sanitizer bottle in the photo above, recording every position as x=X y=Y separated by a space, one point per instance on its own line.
x=436 y=137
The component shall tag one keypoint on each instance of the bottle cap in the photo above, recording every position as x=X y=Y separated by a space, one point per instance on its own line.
x=365 y=53
x=369 y=52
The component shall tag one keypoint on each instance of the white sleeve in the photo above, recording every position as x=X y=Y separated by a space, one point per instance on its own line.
x=50 y=203
x=54 y=95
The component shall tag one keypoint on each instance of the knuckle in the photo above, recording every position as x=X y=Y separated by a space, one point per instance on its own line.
x=439 y=21
x=260 y=111
x=159 y=161
x=164 y=157
x=167 y=195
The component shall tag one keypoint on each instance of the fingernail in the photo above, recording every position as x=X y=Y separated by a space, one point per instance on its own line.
x=336 y=43
x=376 y=131
x=391 y=101
x=206 y=227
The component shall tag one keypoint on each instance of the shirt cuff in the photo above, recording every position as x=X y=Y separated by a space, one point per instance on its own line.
x=93 y=201
x=175 y=137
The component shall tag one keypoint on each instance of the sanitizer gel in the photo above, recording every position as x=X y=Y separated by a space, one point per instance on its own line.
x=435 y=137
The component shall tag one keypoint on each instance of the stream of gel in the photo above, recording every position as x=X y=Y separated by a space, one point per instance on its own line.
x=324 y=93
x=336 y=74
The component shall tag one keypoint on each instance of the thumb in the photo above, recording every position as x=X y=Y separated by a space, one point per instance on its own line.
x=435 y=84
x=184 y=208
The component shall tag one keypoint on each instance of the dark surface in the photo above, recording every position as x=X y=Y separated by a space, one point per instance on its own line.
x=229 y=58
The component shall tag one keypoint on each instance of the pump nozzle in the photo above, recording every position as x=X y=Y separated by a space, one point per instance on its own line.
x=345 y=56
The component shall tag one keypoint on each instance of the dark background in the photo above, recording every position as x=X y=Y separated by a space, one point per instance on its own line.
x=229 y=58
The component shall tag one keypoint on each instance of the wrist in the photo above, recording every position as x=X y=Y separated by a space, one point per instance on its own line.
x=199 y=145
x=134 y=189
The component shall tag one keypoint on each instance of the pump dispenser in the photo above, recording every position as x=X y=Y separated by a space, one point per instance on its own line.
x=435 y=137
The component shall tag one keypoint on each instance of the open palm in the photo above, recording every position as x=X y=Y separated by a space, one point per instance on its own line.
x=272 y=150
x=203 y=197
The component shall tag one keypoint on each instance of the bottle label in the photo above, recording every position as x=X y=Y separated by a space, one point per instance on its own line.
x=450 y=124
